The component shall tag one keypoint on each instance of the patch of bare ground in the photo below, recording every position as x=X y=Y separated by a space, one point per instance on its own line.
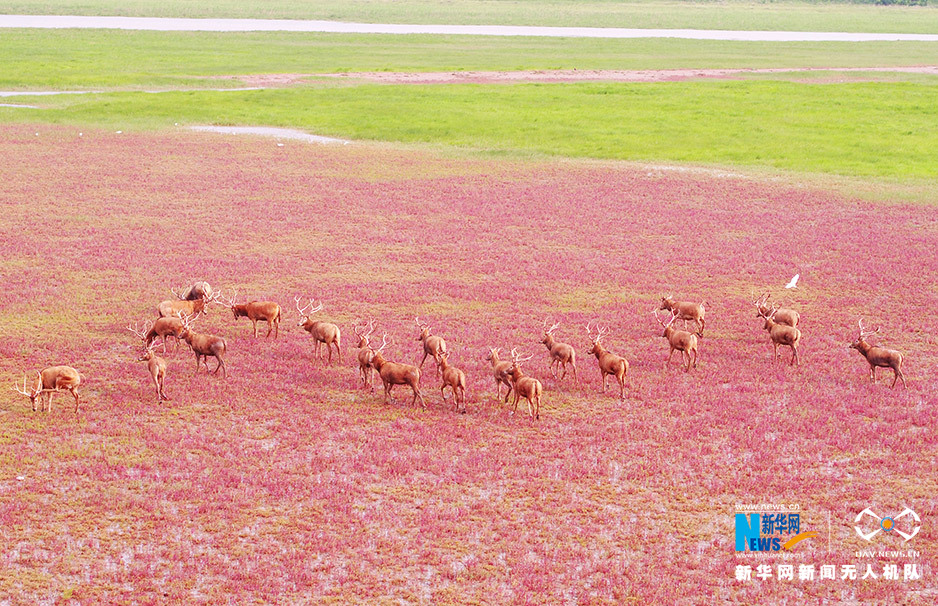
x=821 y=74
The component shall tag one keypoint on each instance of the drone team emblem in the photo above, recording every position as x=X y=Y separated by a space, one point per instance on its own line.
x=887 y=524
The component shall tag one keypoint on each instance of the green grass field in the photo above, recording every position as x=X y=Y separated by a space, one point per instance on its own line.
x=790 y=16
x=860 y=129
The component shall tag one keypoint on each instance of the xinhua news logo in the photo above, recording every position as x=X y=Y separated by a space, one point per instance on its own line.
x=773 y=529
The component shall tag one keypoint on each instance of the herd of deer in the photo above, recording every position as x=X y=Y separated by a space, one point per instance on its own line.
x=175 y=319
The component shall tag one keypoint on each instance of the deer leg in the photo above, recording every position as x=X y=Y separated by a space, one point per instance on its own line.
x=670 y=355
x=417 y=394
x=872 y=374
x=254 y=324
x=576 y=379
x=794 y=357
x=425 y=354
x=49 y=402
x=77 y=399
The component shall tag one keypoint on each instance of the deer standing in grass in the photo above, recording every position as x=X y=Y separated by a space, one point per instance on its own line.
x=560 y=353
x=525 y=387
x=199 y=290
x=878 y=356
x=205 y=346
x=609 y=363
x=684 y=310
x=678 y=340
x=432 y=345
x=394 y=373
x=156 y=366
x=455 y=379
x=49 y=381
x=258 y=311
x=365 y=354
x=783 y=315
x=782 y=334
x=182 y=307
x=322 y=332
x=163 y=327
x=501 y=370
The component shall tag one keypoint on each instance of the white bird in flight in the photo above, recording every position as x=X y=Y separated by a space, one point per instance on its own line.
x=794 y=282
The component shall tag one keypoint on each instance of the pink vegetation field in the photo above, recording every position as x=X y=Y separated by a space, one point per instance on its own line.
x=288 y=483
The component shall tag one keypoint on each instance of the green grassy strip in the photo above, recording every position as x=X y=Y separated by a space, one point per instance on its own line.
x=746 y=15
x=87 y=59
x=861 y=129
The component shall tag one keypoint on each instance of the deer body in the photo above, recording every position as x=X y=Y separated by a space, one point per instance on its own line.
x=164 y=327
x=528 y=388
x=199 y=290
x=156 y=366
x=879 y=356
x=782 y=334
x=365 y=354
x=455 y=379
x=49 y=381
x=206 y=346
x=684 y=310
x=432 y=345
x=393 y=373
x=322 y=332
x=611 y=364
x=679 y=340
x=501 y=370
x=181 y=308
x=255 y=311
x=560 y=354
x=783 y=315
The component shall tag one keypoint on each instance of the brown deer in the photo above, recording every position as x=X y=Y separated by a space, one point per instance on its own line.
x=525 y=387
x=432 y=345
x=322 y=332
x=199 y=290
x=49 y=381
x=181 y=307
x=878 y=356
x=788 y=317
x=205 y=346
x=157 y=368
x=365 y=353
x=501 y=370
x=163 y=327
x=609 y=363
x=679 y=340
x=782 y=335
x=393 y=373
x=455 y=379
x=684 y=310
x=255 y=311
x=560 y=353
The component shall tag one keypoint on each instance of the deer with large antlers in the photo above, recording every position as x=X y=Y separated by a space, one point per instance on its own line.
x=199 y=290
x=322 y=332
x=394 y=373
x=878 y=356
x=525 y=387
x=678 y=340
x=560 y=353
x=783 y=315
x=609 y=363
x=455 y=379
x=163 y=328
x=49 y=381
x=257 y=311
x=365 y=353
x=501 y=370
x=782 y=334
x=685 y=310
x=205 y=346
x=432 y=345
x=183 y=307
x=156 y=366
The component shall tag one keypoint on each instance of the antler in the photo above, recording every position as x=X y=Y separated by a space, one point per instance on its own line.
x=229 y=302
x=142 y=333
x=865 y=333
x=673 y=316
x=420 y=324
x=23 y=391
x=603 y=331
x=551 y=330
x=370 y=326
x=384 y=342
x=178 y=296
x=307 y=310
x=517 y=359
x=186 y=320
